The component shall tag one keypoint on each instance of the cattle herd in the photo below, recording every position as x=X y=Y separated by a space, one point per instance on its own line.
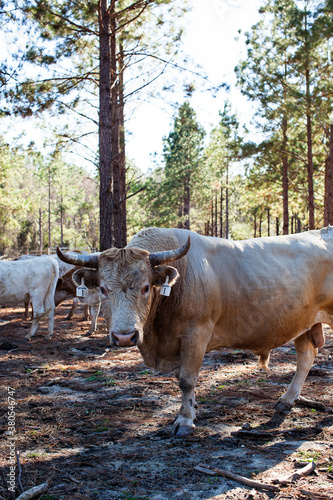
x=255 y=294
x=43 y=282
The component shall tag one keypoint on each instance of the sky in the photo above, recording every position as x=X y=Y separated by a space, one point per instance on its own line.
x=211 y=29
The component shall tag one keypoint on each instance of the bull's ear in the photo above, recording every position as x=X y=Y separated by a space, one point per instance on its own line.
x=90 y=276
x=161 y=272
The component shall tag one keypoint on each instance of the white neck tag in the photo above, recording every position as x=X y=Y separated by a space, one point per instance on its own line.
x=82 y=290
x=166 y=288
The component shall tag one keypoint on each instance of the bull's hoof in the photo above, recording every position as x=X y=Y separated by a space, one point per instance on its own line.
x=182 y=431
x=182 y=427
x=281 y=407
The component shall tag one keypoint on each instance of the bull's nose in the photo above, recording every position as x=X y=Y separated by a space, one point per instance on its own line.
x=125 y=339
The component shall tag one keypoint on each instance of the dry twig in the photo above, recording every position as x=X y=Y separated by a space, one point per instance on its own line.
x=310 y=404
x=212 y=471
x=34 y=492
x=315 y=496
x=290 y=478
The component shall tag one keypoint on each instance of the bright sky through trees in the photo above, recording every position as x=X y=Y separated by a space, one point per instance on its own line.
x=211 y=30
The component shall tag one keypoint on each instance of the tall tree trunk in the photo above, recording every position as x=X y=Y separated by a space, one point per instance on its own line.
x=215 y=229
x=186 y=208
x=49 y=210
x=115 y=133
x=227 y=203
x=285 y=180
x=122 y=148
x=268 y=222
x=61 y=223
x=105 y=130
x=221 y=212
x=40 y=232
x=310 y=171
x=328 y=209
x=309 y=125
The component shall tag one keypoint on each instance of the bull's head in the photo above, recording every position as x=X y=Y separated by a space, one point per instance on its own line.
x=127 y=278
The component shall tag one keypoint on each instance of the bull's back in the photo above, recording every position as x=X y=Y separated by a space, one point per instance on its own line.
x=20 y=280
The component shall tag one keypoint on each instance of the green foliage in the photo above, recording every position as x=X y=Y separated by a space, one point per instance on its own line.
x=172 y=191
x=35 y=190
x=288 y=73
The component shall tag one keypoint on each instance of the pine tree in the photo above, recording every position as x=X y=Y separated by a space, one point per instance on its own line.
x=85 y=41
x=182 y=155
x=284 y=73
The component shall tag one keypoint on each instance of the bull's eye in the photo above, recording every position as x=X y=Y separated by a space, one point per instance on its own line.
x=103 y=291
x=145 y=290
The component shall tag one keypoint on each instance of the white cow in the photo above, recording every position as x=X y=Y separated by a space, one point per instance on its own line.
x=34 y=280
x=66 y=290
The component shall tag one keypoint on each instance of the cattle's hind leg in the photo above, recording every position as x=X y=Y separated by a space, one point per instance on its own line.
x=306 y=352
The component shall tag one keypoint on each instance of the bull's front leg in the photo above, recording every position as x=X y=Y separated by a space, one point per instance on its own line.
x=191 y=359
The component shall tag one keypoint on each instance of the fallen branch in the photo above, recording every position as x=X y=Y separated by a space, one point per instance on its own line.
x=310 y=404
x=34 y=492
x=310 y=467
x=315 y=496
x=252 y=434
x=212 y=471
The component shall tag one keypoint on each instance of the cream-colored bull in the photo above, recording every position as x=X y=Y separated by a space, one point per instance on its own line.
x=255 y=294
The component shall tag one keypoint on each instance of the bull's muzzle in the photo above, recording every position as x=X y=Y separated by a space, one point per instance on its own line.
x=125 y=339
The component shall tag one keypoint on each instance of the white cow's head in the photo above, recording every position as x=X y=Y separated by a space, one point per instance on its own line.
x=128 y=279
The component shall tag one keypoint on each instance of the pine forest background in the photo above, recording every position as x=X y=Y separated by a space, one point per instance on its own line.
x=79 y=68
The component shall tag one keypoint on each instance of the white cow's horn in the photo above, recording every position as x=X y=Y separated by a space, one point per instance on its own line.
x=167 y=256
x=79 y=259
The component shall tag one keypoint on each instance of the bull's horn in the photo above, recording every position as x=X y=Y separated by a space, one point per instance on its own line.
x=79 y=259
x=161 y=257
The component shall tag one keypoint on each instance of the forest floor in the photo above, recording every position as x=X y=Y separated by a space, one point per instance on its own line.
x=96 y=423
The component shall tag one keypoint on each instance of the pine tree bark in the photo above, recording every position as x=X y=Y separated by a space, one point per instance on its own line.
x=105 y=129
x=115 y=133
x=328 y=209
x=122 y=148
x=227 y=203
x=186 y=206
x=285 y=179
x=309 y=127
x=221 y=212
x=310 y=171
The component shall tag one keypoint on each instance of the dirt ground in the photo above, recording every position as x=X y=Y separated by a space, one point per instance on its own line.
x=96 y=422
